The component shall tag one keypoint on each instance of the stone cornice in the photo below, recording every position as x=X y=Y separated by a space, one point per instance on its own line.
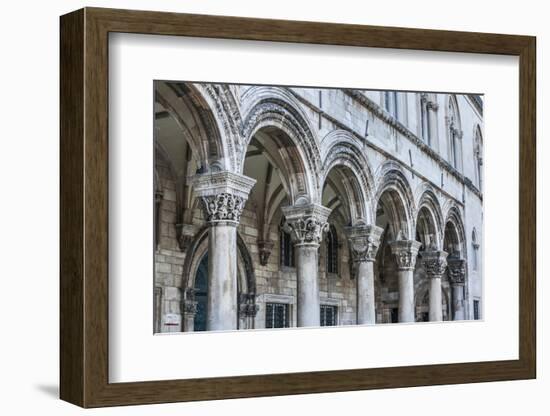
x=398 y=126
x=385 y=116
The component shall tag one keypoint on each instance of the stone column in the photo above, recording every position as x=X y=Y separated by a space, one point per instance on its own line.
x=435 y=263
x=364 y=241
x=223 y=196
x=405 y=252
x=247 y=310
x=457 y=277
x=306 y=224
x=189 y=311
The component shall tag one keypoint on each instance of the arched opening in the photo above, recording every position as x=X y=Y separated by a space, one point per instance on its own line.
x=195 y=278
x=427 y=234
x=391 y=215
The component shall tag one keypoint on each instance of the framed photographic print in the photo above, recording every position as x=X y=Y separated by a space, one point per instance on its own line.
x=260 y=207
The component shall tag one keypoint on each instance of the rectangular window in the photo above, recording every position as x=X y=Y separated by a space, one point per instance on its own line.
x=328 y=315
x=394 y=315
x=277 y=315
x=476 y=309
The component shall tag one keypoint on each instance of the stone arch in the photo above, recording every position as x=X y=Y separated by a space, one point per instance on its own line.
x=209 y=118
x=429 y=217
x=454 y=237
x=276 y=111
x=198 y=248
x=342 y=152
x=395 y=195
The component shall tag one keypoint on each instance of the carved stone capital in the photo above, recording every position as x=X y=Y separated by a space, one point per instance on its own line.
x=306 y=223
x=364 y=241
x=435 y=263
x=457 y=270
x=185 y=234
x=223 y=195
x=247 y=305
x=264 y=249
x=405 y=252
x=189 y=307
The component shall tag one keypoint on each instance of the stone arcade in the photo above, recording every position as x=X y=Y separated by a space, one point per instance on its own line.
x=281 y=207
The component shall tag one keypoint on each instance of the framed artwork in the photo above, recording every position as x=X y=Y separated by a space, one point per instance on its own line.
x=256 y=207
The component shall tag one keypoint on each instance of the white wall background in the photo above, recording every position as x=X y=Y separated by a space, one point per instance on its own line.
x=29 y=159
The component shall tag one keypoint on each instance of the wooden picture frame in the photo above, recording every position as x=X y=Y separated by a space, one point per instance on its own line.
x=84 y=207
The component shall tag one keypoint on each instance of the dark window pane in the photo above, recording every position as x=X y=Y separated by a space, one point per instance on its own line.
x=476 y=309
x=394 y=315
x=328 y=315
x=277 y=315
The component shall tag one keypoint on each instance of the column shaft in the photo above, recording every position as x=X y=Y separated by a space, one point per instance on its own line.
x=309 y=312
x=405 y=252
x=458 y=302
x=306 y=224
x=406 y=295
x=366 y=305
x=222 y=278
x=436 y=311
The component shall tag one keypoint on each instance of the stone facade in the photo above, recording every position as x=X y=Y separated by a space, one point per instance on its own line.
x=366 y=202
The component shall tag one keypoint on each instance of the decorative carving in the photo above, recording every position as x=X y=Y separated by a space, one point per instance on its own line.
x=189 y=307
x=223 y=195
x=279 y=112
x=247 y=305
x=223 y=207
x=185 y=234
x=457 y=270
x=306 y=223
x=264 y=248
x=364 y=241
x=405 y=252
x=435 y=263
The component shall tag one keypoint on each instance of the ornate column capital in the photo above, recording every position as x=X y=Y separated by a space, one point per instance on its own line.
x=264 y=248
x=364 y=241
x=457 y=270
x=185 y=234
x=405 y=252
x=435 y=263
x=306 y=223
x=247 y=305
x=189 y=304
x=223 y=195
